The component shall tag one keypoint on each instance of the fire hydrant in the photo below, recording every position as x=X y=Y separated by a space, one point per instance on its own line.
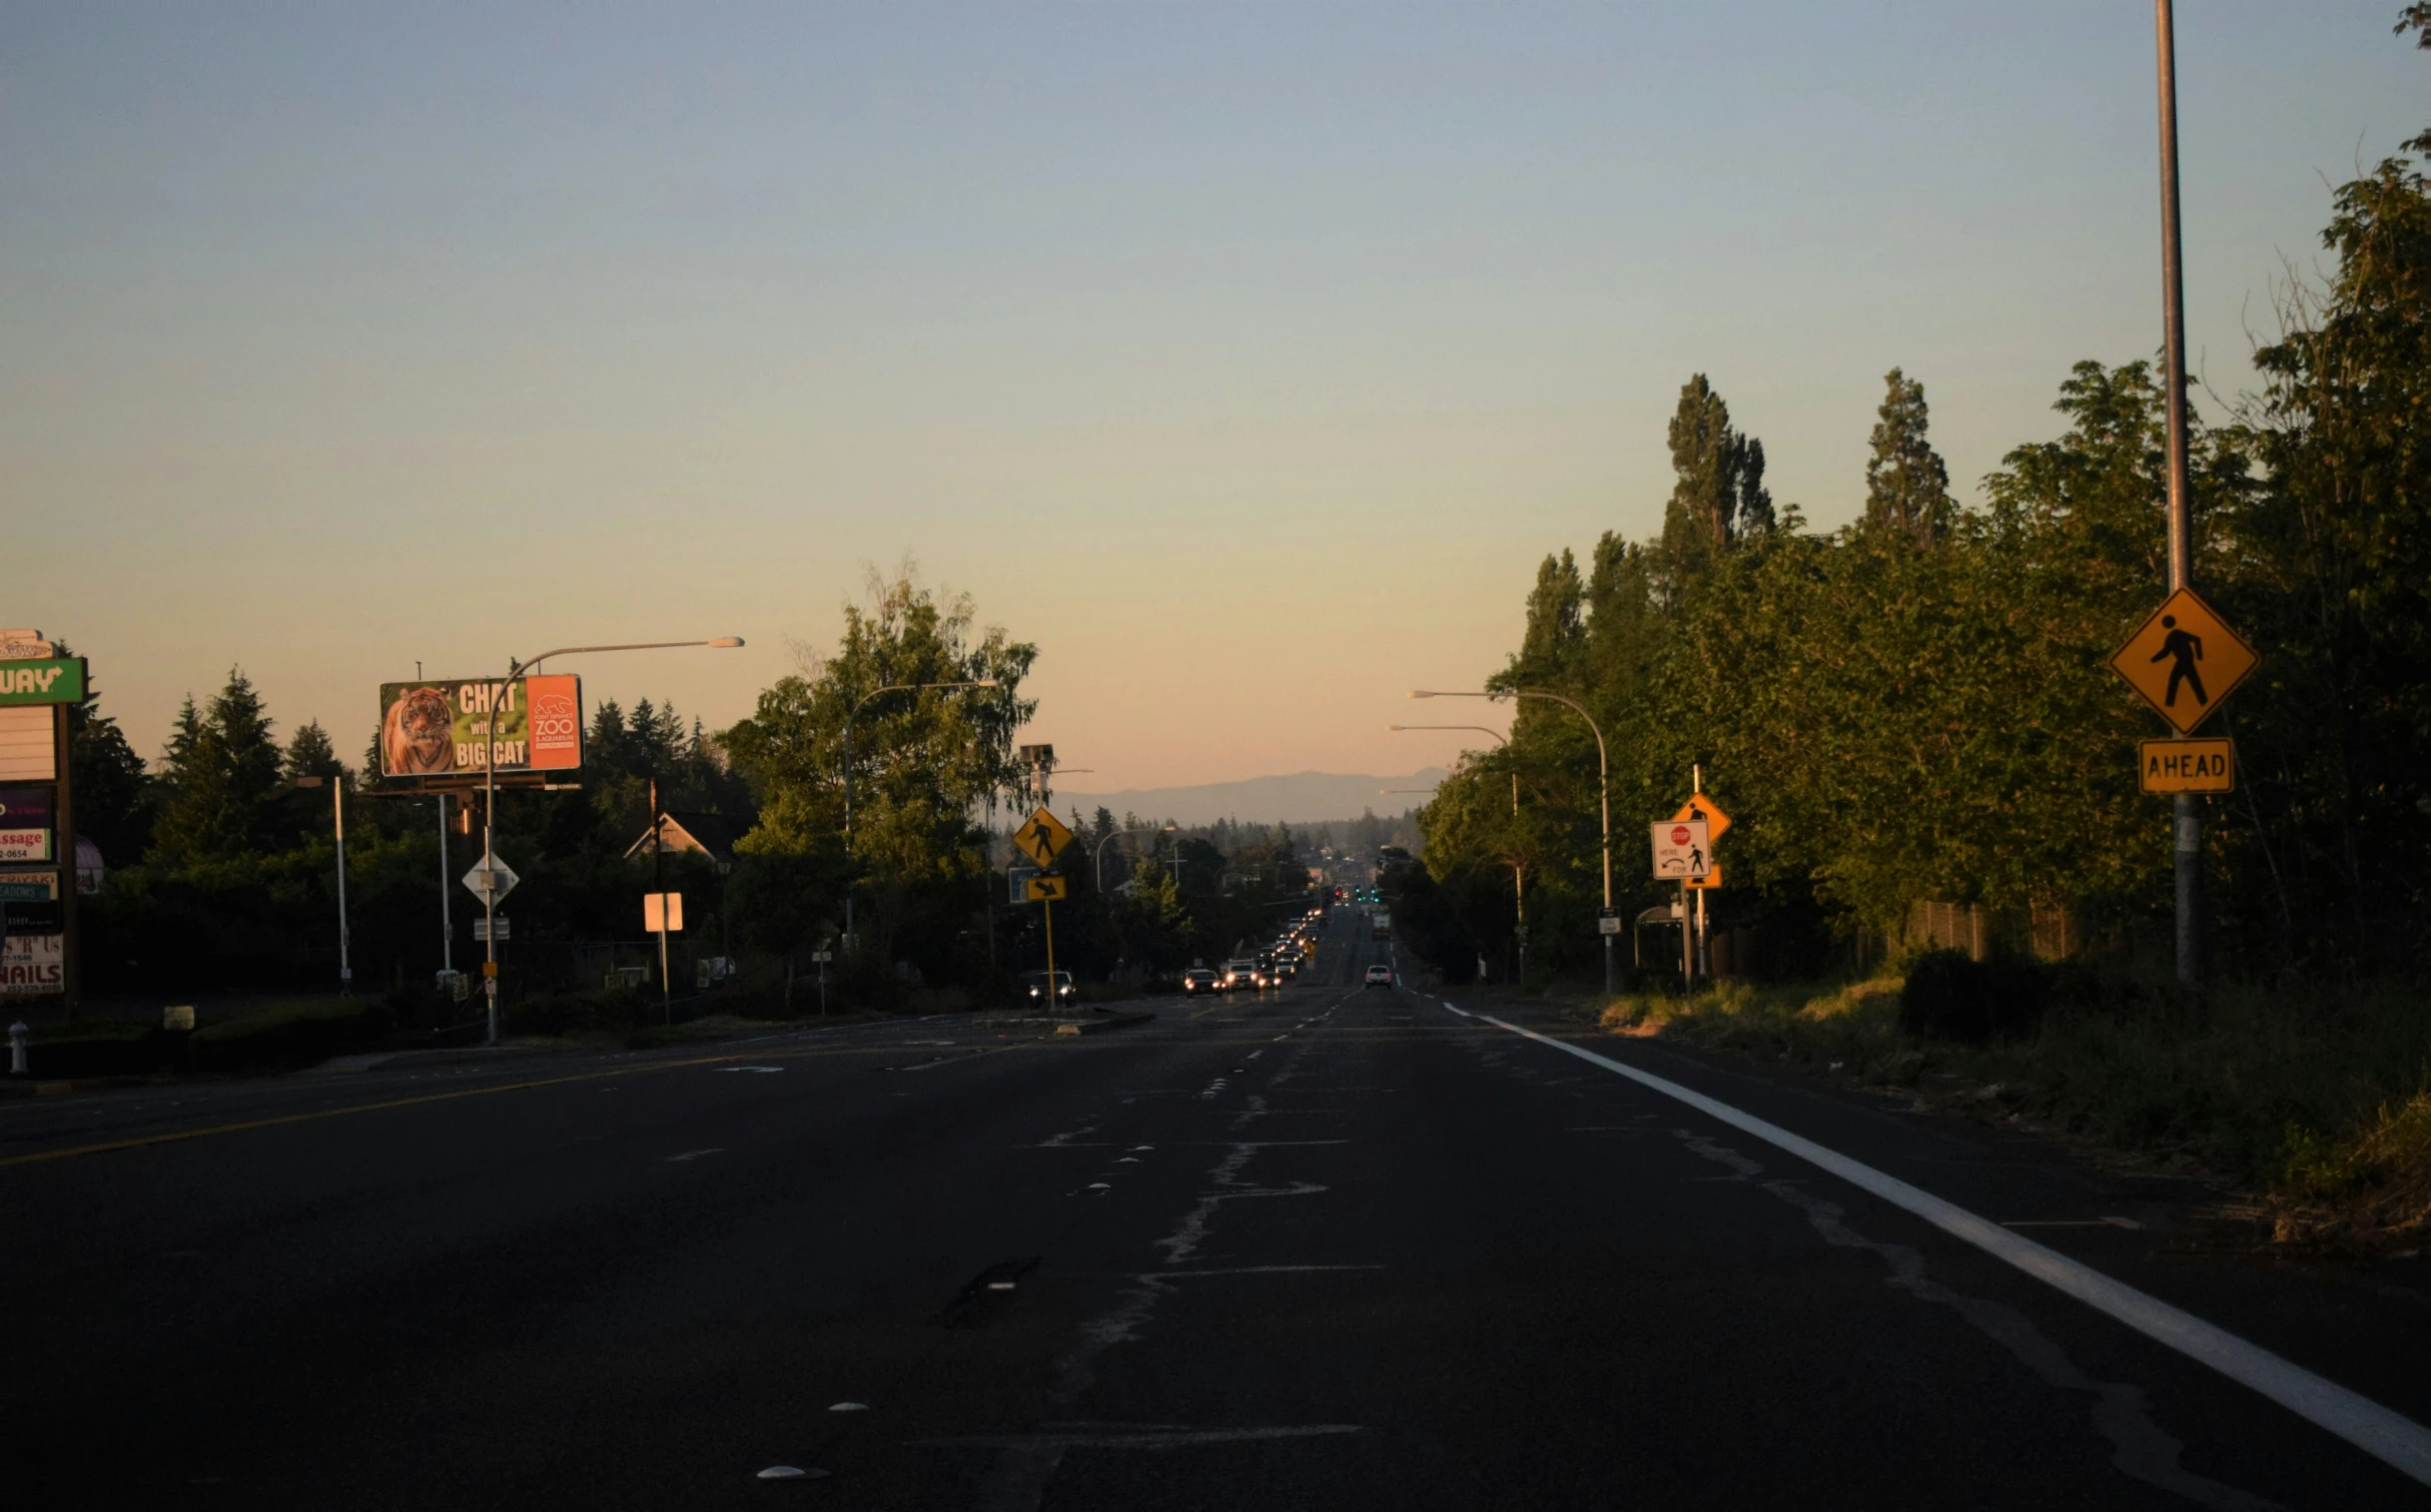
x=19 y=1037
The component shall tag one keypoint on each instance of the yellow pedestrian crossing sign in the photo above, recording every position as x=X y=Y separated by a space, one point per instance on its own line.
x=1042 y=837
x=2184 y=660
x=1717 y=823
x=1045 y=889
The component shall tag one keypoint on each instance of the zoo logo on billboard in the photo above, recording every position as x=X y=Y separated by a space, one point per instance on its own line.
x=438 y=727
x=556 y=723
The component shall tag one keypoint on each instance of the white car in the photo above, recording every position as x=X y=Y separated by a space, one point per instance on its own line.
x=1380 y=976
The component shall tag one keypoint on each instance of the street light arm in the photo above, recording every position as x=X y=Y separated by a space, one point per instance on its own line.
x=517 y=670
x=1603 y=780
x=489 y=798
x=1097 y=851
x=1480 y=729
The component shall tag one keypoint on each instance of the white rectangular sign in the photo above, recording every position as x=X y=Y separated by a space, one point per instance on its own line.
x=484 y=930
x=25 y=845
x=26 y=744
x=33 y=964
x=1681 y=850
x=674 y=911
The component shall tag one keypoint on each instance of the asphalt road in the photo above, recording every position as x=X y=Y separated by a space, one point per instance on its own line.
x=1328 y=1247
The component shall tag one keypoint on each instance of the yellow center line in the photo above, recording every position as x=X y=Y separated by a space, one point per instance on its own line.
x=137 y=1142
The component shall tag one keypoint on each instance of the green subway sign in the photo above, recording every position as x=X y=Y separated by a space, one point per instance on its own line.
x=59 y=680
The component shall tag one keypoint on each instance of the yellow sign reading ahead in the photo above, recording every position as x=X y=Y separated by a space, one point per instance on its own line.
x=2184 y=660
x=1042 y=837
x=1045 y=889
x=2187 y=766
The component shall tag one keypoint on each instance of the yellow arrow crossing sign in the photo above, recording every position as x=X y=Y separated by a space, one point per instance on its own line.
x=1042 y=837
x=2184 y=660
x=1044 y=889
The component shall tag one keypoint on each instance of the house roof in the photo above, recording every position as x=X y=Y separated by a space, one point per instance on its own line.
x=712 y=835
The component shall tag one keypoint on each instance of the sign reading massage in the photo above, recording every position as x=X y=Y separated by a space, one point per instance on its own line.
x=431 y=729
x=55 y=680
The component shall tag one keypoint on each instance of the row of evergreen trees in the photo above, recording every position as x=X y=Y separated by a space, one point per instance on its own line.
x=223 y=868
x=1918 y=707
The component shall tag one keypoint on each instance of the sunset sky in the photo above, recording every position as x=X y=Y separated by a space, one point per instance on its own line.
x=1246 y=358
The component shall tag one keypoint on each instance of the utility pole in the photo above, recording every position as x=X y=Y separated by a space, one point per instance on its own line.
x=338 y=814
x=447 y=913
x=658 y=881
x=2190 y=826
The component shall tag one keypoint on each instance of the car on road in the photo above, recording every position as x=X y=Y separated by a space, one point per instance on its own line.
x=1240 y=975
x=1033 y=989
x=1380 y=976
x=1198 y=980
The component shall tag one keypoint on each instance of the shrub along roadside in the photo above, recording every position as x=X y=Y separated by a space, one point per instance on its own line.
x=2317 y=1098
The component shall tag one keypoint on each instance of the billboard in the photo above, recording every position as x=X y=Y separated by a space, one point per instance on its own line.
x=51 y=680
x=437 y=727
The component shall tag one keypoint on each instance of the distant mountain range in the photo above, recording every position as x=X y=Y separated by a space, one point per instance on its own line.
x=1302 y=798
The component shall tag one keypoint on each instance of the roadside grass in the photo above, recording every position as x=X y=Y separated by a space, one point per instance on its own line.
x=297 y=1030
x=2315 y=1097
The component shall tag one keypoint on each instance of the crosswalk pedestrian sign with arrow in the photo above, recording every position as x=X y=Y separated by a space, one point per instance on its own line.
x=2184 y=660
x=1042 y=837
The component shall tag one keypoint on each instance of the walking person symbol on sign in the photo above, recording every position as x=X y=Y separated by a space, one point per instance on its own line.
x=2182 y=649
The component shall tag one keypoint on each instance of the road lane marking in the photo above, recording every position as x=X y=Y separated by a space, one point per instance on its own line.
x=694 y=1154
x=176 y=1136
x=2121 y=1412
x=1152 y=1436
x=2388 y=1436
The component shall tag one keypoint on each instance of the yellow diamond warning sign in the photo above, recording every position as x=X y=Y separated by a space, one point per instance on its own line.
x=1717 y=823
x=2184 y=660
x=1042 y=837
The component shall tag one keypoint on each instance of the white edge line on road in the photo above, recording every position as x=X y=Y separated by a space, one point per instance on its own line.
x=2388 y=1436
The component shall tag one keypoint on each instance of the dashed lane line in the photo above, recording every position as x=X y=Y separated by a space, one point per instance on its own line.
x=2388 y=1436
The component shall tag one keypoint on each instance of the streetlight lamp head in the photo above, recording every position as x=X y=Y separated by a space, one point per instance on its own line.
x=1420 y=693
x=1396 y=729
x=725 y=642
x=987 y=682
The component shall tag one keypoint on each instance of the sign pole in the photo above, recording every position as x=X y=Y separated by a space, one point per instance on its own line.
x=489 y=847
x=64 y=839
x=1695 y=787
x=1049 y=905
x=2189 y=825
x=337 y=812
x=447 y=919
x=1688 y=944
x=658 y=879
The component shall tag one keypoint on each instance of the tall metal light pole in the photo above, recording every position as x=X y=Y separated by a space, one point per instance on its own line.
x=2189 y=868
x=1603 y=784
x=446 y=909
x=852 y=941
x=1519 y=890
x=489 y=790
x=338 y=818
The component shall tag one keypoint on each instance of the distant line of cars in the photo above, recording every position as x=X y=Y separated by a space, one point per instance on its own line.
x=1271 y=967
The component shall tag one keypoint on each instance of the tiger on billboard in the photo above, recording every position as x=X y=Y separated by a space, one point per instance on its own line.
x=434 y=728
